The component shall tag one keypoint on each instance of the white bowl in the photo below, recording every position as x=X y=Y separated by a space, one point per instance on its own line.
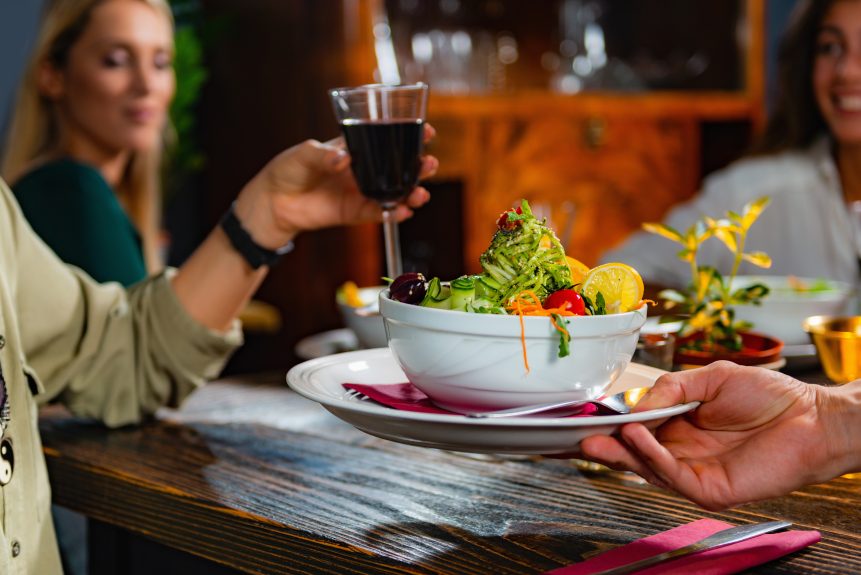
x=471 y=362
x=369 y=329
x=784 y=309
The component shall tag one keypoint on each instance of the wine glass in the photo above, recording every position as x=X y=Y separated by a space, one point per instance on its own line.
x=383 y=126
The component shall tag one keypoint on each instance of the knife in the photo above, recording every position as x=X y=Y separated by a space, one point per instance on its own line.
x=719 y=539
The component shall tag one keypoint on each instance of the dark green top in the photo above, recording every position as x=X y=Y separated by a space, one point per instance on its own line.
x=76 y=212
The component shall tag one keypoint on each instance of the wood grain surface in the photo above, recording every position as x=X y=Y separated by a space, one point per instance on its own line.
x=251 y=476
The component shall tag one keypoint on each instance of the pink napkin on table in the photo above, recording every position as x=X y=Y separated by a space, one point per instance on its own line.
x=729 y=559
x=407 y=397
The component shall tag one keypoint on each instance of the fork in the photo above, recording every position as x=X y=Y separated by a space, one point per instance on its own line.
x=353 y=394
x=613 y=404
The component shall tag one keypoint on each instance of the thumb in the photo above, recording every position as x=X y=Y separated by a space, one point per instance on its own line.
x=686 y=386
x=320 y=157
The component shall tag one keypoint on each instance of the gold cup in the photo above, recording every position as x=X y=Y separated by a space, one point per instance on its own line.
x=838 y=343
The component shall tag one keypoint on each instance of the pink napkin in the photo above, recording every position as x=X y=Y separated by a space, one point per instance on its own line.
x=407 y=397
x=729 y=559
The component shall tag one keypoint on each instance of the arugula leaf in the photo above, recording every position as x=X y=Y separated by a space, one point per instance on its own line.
x=600 y=304
x=564 y=336
x=598 y=307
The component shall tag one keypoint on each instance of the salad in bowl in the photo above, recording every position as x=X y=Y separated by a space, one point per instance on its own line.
x=535 y=326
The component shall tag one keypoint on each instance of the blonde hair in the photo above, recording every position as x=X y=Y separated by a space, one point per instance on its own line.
x=34 y=130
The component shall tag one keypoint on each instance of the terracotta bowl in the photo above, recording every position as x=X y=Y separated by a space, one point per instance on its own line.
x=757 y=349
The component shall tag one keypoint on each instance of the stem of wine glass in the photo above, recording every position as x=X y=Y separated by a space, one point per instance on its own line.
x=393 y=243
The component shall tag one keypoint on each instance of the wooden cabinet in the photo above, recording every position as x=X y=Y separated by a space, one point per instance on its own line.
x=596 y=176
x=609 y=159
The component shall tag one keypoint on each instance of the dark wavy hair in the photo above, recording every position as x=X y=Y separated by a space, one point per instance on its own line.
x=796 y=120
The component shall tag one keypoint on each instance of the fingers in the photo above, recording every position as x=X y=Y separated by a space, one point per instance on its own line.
x=429 y=167
x=430 y=133
x=336 y=143
x=613 y=453
x=417 y=198
x=321 y=157
x=685 y=386
x=667 y=470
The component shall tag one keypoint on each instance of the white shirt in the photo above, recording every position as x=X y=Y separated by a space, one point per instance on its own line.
x=807 y=229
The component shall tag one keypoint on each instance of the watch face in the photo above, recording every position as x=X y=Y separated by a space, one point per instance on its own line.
x=285 y=249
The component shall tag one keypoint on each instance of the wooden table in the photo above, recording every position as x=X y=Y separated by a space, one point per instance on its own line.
x=248 y=477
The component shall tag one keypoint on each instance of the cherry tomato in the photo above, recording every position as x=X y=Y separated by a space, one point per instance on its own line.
x=567 y=299
x=503 y=223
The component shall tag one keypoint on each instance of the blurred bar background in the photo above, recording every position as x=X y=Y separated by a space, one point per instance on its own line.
x=603 y=113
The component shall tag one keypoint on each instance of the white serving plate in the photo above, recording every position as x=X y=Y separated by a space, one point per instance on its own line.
x=322 y=380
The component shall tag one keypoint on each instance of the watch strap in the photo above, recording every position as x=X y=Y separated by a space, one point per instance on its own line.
x=255 y=254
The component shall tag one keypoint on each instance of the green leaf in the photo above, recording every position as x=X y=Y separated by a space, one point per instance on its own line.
x=600 y=304
x=597 y=307
x=760 y=259
x=664 y=231
x=687 y=255
x=524 y=207
x=672 y=295
x=750 y=294
x=564 y=336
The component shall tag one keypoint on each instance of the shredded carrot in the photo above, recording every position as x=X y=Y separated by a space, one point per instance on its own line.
x=528 y=303
x=522 y=335
x=653 y=303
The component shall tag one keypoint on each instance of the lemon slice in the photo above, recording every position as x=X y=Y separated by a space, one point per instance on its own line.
x=578 y=269
x=348 y=294
x=620 y=284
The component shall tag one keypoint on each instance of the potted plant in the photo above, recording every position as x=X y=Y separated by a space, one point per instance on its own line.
x=709 y=330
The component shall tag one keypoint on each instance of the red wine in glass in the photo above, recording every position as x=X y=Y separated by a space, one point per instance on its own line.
x=386 y=156
x=383 y=127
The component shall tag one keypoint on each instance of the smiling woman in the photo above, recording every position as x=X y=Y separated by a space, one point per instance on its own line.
x=837 y=83
x=88 y=131
x=808 y=162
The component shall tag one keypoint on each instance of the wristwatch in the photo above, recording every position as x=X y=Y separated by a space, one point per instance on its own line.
x=255 y=254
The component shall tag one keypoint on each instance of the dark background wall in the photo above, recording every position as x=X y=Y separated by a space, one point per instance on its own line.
x=19 y=20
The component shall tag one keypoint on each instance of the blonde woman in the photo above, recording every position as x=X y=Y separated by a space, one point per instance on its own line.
x=86 y=138
x=83 y=156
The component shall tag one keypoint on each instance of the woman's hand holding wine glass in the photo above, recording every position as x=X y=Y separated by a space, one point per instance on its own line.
x=310 y=186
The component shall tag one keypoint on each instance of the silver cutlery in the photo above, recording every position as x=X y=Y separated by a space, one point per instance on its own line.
x=353 y=394
x=612 y=404
x=719 y=539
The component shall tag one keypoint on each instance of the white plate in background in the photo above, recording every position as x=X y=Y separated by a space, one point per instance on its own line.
x=327 y=343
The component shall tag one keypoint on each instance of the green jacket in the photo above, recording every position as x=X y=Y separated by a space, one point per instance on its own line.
x=104 y=352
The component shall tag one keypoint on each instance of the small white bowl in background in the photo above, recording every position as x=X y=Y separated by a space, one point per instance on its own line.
x=785 y=308
x=367 y=324
x=472 y=362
